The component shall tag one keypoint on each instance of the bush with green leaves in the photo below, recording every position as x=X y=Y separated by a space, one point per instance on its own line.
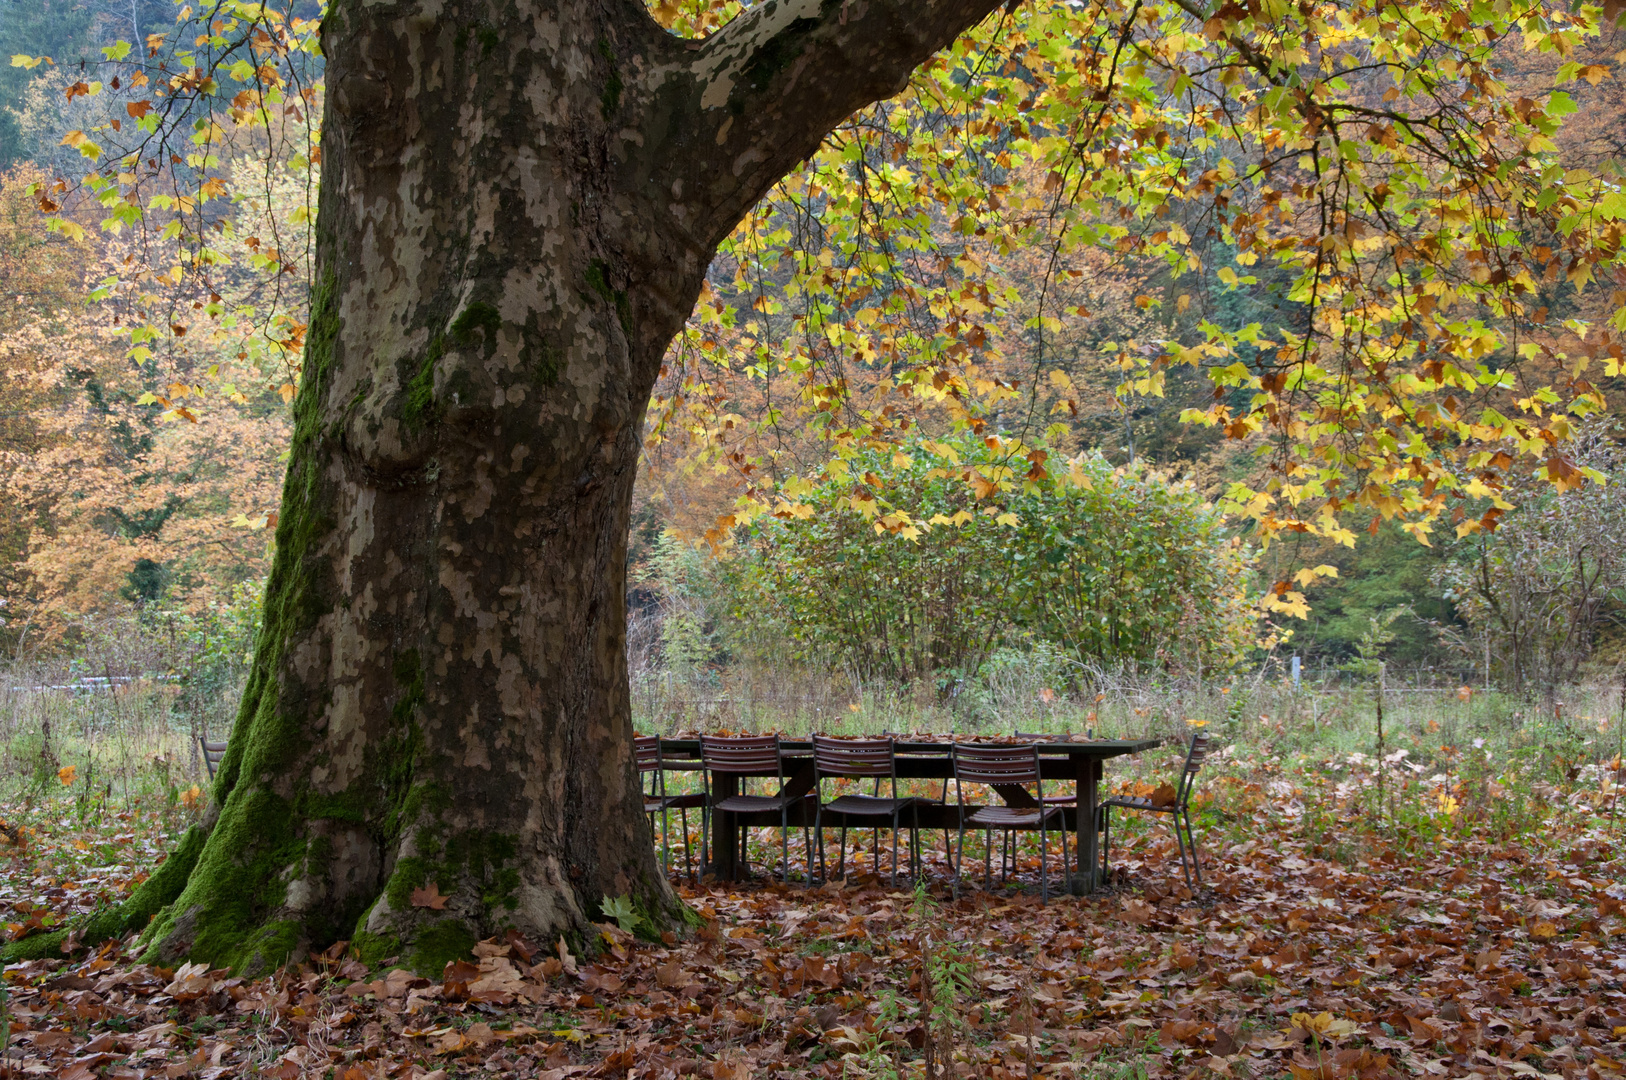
x=919 y=561
x=1538 y=592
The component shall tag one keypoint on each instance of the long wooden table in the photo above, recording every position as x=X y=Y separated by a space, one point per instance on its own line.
x=1079 y=763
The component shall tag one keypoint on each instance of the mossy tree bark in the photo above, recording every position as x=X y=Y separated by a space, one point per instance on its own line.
x=519 y=202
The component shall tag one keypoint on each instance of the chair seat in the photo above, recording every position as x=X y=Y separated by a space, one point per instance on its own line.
x=746 y=804
x=868 y=805
x=656 y=803
x=1012 y=817
x=1130 y=802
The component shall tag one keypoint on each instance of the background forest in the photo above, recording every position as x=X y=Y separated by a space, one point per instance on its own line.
x=943 y=447
x=146 y=415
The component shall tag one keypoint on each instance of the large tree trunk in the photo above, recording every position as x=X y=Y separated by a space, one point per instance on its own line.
x=519 y=203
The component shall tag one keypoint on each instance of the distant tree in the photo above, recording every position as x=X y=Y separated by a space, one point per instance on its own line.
x=520 y=206
x=1538 y=591
x=60 y=29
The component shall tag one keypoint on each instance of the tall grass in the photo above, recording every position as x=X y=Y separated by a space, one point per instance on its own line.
x=125 y=707
x=121 y=714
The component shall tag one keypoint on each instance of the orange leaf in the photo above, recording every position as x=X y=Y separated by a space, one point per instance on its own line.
x=428 y=896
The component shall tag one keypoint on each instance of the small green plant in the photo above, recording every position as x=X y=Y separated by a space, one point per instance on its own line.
x=622 y=911
x=945 y=977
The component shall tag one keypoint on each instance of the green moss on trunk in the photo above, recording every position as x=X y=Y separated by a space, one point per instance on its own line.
x=217 y=908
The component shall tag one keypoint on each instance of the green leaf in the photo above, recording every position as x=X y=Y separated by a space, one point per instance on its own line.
x=621 y=910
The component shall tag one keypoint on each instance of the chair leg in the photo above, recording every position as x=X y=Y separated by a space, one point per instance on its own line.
x=894 y=849
x=987 y=859
x=688 y=860
x=1066 y=863
x=1191 y=842
x=841 y=854
x=958 y=864
x=1180 y=842
x=666 y=842
x=818 y=831
x=1106 y=842
x=784 y=845
x=916 y=861
x=1044 y=862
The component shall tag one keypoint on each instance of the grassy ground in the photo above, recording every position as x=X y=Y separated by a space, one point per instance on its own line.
x=1461 y=915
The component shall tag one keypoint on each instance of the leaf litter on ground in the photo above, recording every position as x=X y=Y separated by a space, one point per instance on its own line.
x=1467 y=957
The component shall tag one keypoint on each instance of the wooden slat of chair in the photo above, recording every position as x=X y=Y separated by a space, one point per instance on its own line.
x=750 y=755
x=862 y=759
x=213 y=754
x=1042 y=737
x=1179 y=812
x=942 y=796
x=1012 y=765
x=647 y=752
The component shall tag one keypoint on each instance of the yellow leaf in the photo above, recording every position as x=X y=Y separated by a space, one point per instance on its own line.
x=67 y=773
x=1288 y=603
x=1324 y=1025
x=67 y=227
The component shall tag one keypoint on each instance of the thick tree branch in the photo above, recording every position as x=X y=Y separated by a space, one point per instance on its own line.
x=729 y=116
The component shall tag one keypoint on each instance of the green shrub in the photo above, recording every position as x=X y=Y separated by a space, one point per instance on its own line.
x=920 y=561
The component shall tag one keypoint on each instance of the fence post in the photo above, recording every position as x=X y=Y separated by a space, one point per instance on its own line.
x=1381 y=667
x=1620 y=751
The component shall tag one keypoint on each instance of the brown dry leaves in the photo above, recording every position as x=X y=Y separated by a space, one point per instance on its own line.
x=1294 y=966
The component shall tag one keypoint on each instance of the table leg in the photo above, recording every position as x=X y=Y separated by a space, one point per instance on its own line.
x=1089 y=853
x=725 y=830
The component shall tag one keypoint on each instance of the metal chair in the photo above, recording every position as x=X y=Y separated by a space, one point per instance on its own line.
x=1178 y=811
x=213 y=754
x=750 y=755
x=647 y=749
x=942 y=796
x=1042 y=737
x=862 y=759
x=1006 y=765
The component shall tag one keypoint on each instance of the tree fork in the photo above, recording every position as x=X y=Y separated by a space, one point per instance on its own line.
x=519 y=203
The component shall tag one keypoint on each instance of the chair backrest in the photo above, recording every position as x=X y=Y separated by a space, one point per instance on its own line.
x=853 y=757
x=993 y=764
x=1194 y=759
x=647 y=749
x=743 y=754
x=213 y=754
